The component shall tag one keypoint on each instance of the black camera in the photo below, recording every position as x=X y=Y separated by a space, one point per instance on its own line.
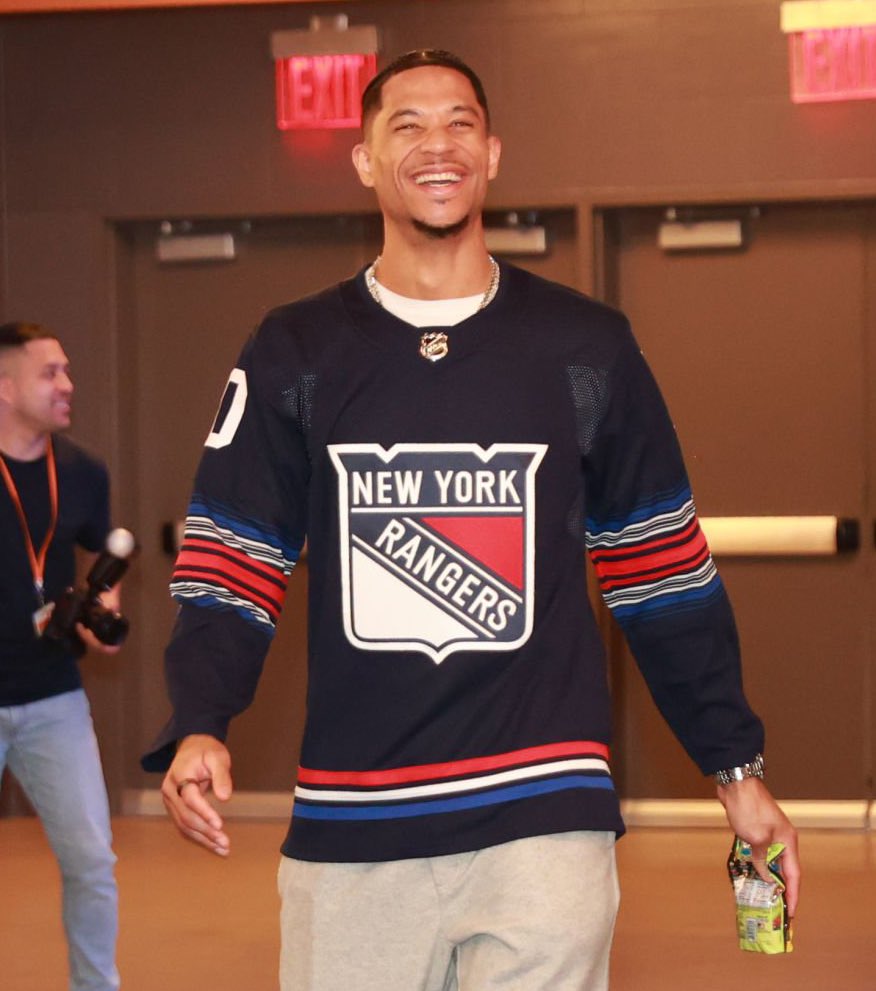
x=83 y=605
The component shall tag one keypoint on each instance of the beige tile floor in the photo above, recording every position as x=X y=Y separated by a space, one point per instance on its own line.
x=191 y=921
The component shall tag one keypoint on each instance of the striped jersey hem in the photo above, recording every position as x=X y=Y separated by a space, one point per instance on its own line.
x=454 y=786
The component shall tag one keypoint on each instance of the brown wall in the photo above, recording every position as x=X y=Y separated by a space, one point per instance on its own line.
x=110 y=117
x=170 y=112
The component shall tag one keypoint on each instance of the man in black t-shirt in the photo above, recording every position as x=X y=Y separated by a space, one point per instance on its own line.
x=53 y=497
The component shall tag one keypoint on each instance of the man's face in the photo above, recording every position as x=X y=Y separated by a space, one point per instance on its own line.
x=427 y=153
x=35 y=386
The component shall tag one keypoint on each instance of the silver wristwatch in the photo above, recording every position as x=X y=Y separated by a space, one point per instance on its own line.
x=754 y=769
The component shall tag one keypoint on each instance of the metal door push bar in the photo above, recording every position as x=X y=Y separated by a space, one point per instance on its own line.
x=781 y=535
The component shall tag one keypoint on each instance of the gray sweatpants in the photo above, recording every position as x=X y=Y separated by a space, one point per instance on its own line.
x=535 y=914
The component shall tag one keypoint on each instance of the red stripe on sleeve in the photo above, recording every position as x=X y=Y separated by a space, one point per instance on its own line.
x=677 y=557
x=634 y=548
x=271 y=601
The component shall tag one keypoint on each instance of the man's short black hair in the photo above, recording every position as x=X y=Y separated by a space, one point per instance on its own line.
x=17 y=334
x=371 y=97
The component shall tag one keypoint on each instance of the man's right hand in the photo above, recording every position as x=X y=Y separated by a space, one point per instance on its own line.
x=202 y=763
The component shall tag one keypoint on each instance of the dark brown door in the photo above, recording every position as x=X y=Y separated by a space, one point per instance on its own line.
x=766 y=358
x=182 y=326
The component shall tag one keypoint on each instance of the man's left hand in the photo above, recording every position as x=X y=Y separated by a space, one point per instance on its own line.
x=755 y=816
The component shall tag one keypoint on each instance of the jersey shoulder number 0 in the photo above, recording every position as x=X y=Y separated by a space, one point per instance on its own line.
x=230 y=411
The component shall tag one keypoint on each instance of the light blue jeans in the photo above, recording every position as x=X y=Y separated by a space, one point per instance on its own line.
x=51 y=749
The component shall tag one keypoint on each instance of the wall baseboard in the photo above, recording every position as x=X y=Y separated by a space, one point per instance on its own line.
x=805 y=814
x=643 y=812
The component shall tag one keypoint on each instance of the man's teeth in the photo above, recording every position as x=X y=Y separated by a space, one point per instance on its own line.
x=430 y=177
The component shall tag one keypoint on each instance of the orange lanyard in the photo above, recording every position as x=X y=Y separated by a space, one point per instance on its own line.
x=37 y=558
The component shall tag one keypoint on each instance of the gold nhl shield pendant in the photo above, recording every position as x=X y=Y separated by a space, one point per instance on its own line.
x=434 y=346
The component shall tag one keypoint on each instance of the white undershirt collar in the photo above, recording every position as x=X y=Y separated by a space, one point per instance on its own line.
x=429 y=312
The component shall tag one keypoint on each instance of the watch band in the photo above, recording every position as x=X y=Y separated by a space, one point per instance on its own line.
x=754 y=769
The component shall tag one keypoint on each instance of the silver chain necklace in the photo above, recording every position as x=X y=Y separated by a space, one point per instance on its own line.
x=435 y=345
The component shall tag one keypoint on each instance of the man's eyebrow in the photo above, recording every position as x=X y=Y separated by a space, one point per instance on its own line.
x=415 y=112
x=405 y=112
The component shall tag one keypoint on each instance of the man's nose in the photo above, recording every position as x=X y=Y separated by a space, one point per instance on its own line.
x=436 y=137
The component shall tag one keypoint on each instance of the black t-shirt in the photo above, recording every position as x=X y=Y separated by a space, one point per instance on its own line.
x=32 y=668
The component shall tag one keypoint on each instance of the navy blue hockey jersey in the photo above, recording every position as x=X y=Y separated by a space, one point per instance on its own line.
x=457 y=693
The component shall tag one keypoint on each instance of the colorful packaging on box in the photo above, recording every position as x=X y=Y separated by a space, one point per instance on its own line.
x=762 y=921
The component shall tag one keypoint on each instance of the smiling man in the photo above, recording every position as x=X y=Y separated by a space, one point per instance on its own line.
x=449 y=433
x=429 y=156
x=54 y=497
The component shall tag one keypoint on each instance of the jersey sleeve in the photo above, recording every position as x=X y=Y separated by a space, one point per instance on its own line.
x=244 y=531
x=656 y=573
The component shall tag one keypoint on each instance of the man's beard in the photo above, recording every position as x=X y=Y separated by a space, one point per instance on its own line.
x=439 y=233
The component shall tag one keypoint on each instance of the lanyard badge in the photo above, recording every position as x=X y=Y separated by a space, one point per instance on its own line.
x=37 y=557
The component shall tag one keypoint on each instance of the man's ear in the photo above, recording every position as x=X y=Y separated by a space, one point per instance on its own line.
x=5 y=387
x=362 y=164
x=494 y=148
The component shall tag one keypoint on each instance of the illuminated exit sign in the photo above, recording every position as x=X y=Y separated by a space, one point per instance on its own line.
x=832 y=47
x=315 y=91
x=320 y=74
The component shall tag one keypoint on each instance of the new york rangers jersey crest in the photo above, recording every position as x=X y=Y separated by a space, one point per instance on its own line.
x=437 y=545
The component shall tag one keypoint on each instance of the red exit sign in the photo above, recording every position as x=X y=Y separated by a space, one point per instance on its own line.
x=321 y=91
x=832 y=46
x=839 y=64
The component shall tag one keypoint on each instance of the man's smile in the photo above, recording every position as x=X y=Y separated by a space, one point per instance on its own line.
x=437 y=178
